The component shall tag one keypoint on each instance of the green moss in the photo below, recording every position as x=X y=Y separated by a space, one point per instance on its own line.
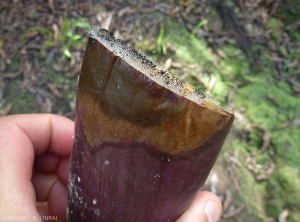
x=289 y=180
x=68 y=93
x=284 y=189
x=289 y=12
x=251 y=194
x=59 y=78
x=14 y=64
x=255 y=136
x=296 y=35
x=262 y=99
x=221 y=89
x=287 y=144
x=235 y=65
x=148 y=46
x=215 y=23
x=273 y=23
x=294 y=215
x=270 y=107
x=263 y=159
x=191 y=50
x=71 y=95
x=274 y=201
x=22 y=101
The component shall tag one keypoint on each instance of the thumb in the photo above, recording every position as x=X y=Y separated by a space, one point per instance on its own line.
x=205 y=208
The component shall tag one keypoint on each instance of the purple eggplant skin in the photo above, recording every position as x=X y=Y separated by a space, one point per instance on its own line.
x=129 y=181
x=141 y=152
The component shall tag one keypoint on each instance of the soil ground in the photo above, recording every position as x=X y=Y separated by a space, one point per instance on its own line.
x=234 y=49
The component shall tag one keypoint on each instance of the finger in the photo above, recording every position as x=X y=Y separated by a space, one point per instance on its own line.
x=21 y=137
x=57 y=200
x=205 y=208
x=43 y=209
x=45 y=131
x=43 y=182
x=63 y=170
x=50 y=185
x=46 y=162
x=45 y=214
x=52 y=163
x=49 y=189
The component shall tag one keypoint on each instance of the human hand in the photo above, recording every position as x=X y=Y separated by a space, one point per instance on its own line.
x=206 y=207
x=34 y=164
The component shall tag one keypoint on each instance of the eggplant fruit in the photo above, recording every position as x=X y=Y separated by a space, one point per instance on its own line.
x=144 y=141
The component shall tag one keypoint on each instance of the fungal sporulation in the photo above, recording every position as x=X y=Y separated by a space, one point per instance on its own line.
x=125 y=89
x=144 y=142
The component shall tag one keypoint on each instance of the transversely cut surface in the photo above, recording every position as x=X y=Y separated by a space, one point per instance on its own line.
x=144 y=142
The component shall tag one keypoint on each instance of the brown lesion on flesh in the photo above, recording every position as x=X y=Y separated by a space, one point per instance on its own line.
x=132 y=107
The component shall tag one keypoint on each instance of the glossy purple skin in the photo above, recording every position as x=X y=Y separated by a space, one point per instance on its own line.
x=132 y=182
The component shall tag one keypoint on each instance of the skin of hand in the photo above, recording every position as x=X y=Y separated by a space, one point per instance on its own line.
x=34 y=163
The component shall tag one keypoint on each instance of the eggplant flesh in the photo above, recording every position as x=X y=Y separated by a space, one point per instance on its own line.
x=141 y=150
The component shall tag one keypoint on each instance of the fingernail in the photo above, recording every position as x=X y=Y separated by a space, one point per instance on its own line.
x=212 y=211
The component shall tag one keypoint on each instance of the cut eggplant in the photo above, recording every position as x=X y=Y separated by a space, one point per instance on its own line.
x=144 y=141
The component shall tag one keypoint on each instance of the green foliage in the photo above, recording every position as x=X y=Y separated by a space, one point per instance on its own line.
x=290 y=9
x=160 y=46
x=191 y=50
x=198 y=26
x=296 y=35
x=229 y=3
x=67 y=37
x=149 y=47
x=48 y=43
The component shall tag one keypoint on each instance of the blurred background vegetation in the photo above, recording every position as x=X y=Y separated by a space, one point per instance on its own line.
x=243 y=53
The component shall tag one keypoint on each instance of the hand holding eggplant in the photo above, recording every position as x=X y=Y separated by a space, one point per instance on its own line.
x=34 y=164
x=144 y=141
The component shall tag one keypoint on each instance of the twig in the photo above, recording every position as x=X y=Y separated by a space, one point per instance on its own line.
x=234 y=212
x=235 y=182
x=227 y=201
